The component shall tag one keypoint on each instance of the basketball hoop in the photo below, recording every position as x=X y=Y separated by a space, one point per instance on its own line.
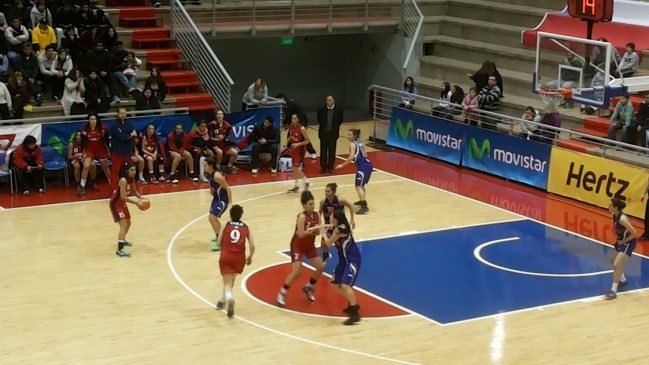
x=554 y=97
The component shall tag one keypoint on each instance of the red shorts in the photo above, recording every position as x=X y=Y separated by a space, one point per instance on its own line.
x=297 y=155
x=232 y=264
x=225 y=149
x=300 y=249
x=119 y=211
x=96 y=152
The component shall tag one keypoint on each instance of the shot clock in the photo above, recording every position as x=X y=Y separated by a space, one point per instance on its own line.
x=591 y=10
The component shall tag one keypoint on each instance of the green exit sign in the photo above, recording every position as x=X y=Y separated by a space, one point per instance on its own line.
x=287 y=41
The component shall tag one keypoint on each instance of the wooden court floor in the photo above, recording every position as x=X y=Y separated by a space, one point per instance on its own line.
x=68 y=300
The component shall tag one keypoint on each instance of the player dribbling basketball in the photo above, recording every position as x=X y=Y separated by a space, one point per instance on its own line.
x=119 y=198
x=232 y=241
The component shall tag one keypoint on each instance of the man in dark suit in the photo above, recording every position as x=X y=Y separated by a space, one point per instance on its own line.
x=330 y=118
x=289 y=108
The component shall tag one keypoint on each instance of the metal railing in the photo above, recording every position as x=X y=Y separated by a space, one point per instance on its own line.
x=251 y=16
x=411 y=22
x=384 y=99
x=203 y=60
x=112 y=115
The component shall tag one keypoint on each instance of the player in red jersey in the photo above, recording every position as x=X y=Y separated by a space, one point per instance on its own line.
x=220 y=135
x=75 y=156
x=94 y=140
x=198 y=142
x=298 y=139
x=232 y=241
x=119 y=198
x=303 y=244
x=152 y=154
x=176 y=149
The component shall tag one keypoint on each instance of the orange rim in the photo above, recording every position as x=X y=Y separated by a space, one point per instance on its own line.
x=567 y=93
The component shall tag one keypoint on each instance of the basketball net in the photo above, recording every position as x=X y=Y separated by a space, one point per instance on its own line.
x=552 y=99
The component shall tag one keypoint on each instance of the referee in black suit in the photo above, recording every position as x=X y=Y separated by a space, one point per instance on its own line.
x=329 y=118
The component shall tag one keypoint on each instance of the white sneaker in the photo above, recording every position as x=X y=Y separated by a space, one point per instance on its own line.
x=203 y=178
x=273 y=171
x=281 y=299
x=313 y=156
x=254 y=171
x=142 y=180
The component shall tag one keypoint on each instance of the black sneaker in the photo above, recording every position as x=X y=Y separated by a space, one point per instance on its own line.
x=363 y=210
x=173 y=179
x=622 y=284
x=294 y=190
x=231 y=308
x=128 y=244
x=80 y=190
x=349 y=309
x=358 y=203
x=121 y=253
x=220 y=305
x=352 y=320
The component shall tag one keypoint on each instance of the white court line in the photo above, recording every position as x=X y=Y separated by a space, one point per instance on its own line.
x=249 y=294
x=212 y=305
x=206 y=187
x=2 y=208
x=477 y=254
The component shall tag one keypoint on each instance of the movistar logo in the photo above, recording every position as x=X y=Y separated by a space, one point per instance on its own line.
x=400 y=131
x=478 y=152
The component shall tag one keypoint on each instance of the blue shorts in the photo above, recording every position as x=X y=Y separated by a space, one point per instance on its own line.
x=218 y=207
x=346 y=274
x=363 y=176
x=627 y=248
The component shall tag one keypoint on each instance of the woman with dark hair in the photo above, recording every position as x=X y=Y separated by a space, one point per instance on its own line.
x=125 y=188
x=75 y=157
x=444 y=100
x=221 y=193
x=110 y=37
x=408 y=94
x=307 y=227
x=152 y=154
x=157 y=84
x=101 y=20
x=625 y=243
x=298 y=139
x=177 y=152
x=72 y=42
x=73 y=93
x=96 y=94
x=349 y=262
x=88 y=38
x=61 y=68
x=28 y=160
x=147 y=101
x=19 y=94
x=232 y=241
x=455 y=107
x=94 y=140
x=328 y=206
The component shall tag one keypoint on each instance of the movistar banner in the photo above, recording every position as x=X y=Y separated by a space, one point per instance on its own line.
x=507 y=156
x=426 y=135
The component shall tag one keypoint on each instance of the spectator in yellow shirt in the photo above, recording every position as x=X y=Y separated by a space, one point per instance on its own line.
x=43 y=36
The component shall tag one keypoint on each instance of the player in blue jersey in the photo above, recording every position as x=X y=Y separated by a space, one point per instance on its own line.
x=364 y=167
x=221 y=195
x=328 y=205
x=349 y=262
x=625 y=235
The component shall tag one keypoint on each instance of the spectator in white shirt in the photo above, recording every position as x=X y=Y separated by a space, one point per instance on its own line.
x=60 y=69
x=444 y=100
x=629 y=63
x=256 y=96
x=45 y=60
x=5 y=102
x=527 y=127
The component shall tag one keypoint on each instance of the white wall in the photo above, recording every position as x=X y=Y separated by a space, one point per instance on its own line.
x=309 y=70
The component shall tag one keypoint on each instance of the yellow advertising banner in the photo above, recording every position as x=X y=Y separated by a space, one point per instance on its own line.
x=596 y=180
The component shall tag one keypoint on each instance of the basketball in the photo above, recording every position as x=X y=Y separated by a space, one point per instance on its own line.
x=146 y=204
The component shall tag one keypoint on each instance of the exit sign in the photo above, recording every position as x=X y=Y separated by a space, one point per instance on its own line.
x=287 y=41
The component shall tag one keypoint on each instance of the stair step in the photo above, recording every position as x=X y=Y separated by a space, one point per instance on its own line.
x=179 y=76
x=154 y=43
x=157 y=55
x=151 y=33
x=186 y=87
x=126 y=3
x=204 y=109
x=139 y=22
x=192 y=97
x=136 y=11
x=169 y=65
x=599 y=124
x=577 y=145
x=591 y=132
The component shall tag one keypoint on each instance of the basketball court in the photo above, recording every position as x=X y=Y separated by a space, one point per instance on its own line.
x=445 y=279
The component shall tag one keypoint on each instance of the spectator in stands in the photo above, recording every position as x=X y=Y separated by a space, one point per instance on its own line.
x=444 y=100
x=38 y=13
x=21 y=12
x=101 y=20
x=28 y=160
x=455 y=106
x=146 y=101
x=45 y=61
x=16 y=35
x=481 y=77
x=550 y=118
x=72 y=43
x=330 y=118
x=96 y=94
x=489 y=101
x=409 y=93
x=152 y=154
x=4 y=67
x=3 y=25
x=43 y=36
x=157 y=84
x=197 y=141
x=5 y=102
x=110 y=38
x=470 y=106
x=256 y=96
x=289 y=108
x=529 y=122
x=28 y=64
x=19 y=95
x=598 y=80
x=102 y=60
x=89 y=37
x=569 y=78
x=85 y=17
x=65 y=16
x=75 y=88
x=126 y=66
x=177 y=152
x=596 y=56
x=60 y=69
x=623 y=111
x=640 y=125
x=265 y=138
x=629 y=63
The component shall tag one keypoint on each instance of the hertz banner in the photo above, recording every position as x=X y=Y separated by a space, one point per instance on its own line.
x=510 y=157
x=426 y=135
x=596 y=180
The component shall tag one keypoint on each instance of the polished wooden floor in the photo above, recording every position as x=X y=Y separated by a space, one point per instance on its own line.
x=66 y=298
